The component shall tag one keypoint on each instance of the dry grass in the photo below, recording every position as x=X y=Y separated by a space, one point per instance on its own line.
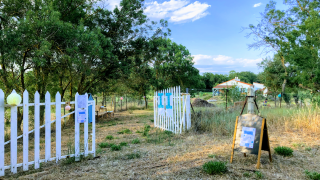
x=182 y=156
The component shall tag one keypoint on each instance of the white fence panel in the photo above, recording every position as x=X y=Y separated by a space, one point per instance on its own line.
x=181 y=117
x=25 y=130
x=2 y=133
x=47 y=125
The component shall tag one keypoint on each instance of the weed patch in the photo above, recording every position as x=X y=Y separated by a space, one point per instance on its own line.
x=283 y=151
x=215 y=167
x=106 y=145
x=133 y=156
x=123 y=144
x=136 y=141
x=312 y=175
x=109 y=137
x=211 y=155
x=115 y=147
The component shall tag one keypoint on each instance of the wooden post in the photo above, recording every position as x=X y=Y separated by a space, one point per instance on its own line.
x=260 y=144
x=234 y=139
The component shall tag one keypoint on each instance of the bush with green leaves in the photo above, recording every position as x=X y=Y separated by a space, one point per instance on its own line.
x=283 y=151
x=215 y=167
x=110 y=137
x=146 y=130
x=115 y=147
x=312 y=175
x=136 y=141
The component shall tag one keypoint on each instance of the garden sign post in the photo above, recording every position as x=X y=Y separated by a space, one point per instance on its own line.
x=250 y=133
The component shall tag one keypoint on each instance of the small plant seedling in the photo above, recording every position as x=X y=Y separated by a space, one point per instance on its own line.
x=120 y=132
x=110 y=137
x=283 y=150
x=214 y=167
x=138 y=131
x=115 y=147
x=312 y=175
x=211 y=155
x=246 y=174
x=136 y=141
x=146 y=130
x=123 y=144
x=259 y=175
x=133 y=155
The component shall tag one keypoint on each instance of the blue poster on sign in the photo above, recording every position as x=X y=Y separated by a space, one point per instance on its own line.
x=161 y=104
x=247 y=137
x=169 y=102
x=82 y=116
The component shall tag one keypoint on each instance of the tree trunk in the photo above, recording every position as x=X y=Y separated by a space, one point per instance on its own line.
x=145 y=101
x=19 y=121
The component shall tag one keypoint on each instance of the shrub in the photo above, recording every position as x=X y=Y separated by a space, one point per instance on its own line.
x=284 y=151
x=215 y=167
x=115 y=147
x=151 y=120
x=312 y=175
x=110 y=137
x=123 y=144
x=133 y=155
x=136 y=141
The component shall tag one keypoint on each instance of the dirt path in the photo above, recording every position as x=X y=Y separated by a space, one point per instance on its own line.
x=161 y=155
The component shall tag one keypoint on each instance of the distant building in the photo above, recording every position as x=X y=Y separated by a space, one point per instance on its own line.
x=243 y=87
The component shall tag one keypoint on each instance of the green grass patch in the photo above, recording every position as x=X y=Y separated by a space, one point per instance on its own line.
x=115 y=147
x=136 y=141
x=123 y=144
x=258 y=174
x=215 y=167
x=105 y=145
x=133 y=156
x=283 y=151
x=109 y=137
x=211 y=155
x=125 y=131
x=246 y=174
x=312 y=175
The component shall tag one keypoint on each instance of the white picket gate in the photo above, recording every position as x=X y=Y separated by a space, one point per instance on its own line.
x=181 y=118
x=48 y=157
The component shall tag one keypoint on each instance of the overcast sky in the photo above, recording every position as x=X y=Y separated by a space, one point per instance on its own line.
x=211 y=30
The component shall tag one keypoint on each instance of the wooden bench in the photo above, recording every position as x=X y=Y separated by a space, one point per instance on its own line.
x=108 y=113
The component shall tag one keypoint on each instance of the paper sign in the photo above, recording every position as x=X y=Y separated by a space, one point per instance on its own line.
x=169 y=102
x=161 y=104
x=82 y=101
x=247 y=137
x=82 y=116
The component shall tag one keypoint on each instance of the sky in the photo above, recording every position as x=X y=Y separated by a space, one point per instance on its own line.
x=211 y=30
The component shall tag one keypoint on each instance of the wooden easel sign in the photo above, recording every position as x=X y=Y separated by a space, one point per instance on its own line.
x=251 y=136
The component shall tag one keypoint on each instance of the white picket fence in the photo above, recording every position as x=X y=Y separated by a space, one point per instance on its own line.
x=181 y=119
x=48 y=156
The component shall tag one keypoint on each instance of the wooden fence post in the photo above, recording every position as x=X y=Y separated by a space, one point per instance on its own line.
x=13 y=143
x=47 y=127
x=76 y=131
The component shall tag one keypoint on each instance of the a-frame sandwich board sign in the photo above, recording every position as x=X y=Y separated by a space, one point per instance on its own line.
x=250 y=136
